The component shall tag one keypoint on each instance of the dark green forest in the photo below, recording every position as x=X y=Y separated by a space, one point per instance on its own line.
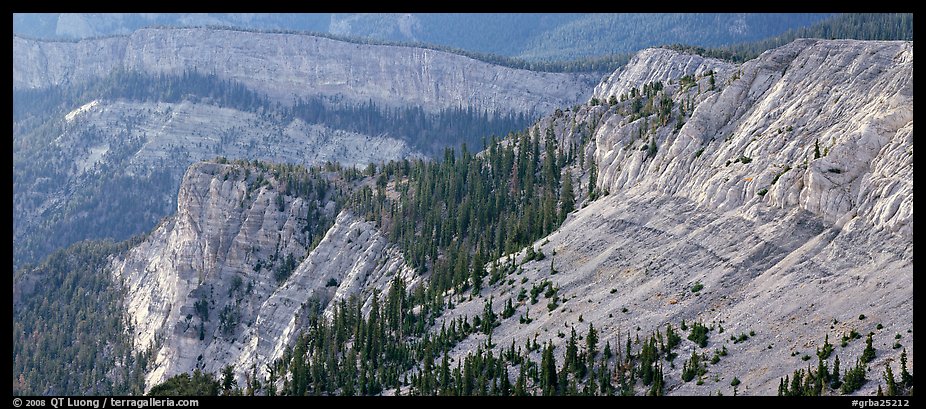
x=858 y=26
x=70 y=335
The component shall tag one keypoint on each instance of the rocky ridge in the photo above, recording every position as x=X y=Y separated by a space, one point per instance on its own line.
x=135 y=146
x=788 y=243
x=727 y=195
x=203 y=287
x=288 y=66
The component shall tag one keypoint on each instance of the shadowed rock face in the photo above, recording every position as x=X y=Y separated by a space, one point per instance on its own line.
x=138 y=139
x=148 y=143
x=783 y=242
x=288 y=66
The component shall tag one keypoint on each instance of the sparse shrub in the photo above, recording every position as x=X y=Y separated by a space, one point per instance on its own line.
x=697 y=287
x=698 y=334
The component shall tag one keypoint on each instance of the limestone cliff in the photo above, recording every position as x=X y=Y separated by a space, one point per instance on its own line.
x=780 y=188
x=206 y=288
x=785 y=189
x=285 y=66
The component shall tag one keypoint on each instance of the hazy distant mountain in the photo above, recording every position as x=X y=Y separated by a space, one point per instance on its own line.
x=533 y=36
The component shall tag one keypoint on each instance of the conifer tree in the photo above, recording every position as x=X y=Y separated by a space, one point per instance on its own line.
x=504 y=384
x=869 y=353
x=591 y=343
x=567 y=198
x=905 y=377
x=549 y=381
x=889 y=380
x=834 y=377
x=572 y=351
x=228 y=379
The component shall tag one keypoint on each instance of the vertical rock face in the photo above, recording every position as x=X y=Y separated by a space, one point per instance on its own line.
x=205 y=289
x=851 y=101
x=729 y=191
x=288 y=66
x=149 y=138
x=39 y=64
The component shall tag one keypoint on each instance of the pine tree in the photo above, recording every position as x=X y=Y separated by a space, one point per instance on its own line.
x=672 y=338
x=604 y=377
x=652 y=149
x=691 y=367
x=658 y=384
x=905 y=377
x=521 y=384
x=834 y=378
x=592 y=181
x=567 y=198
x=869 y=353
x=228 y=379
x=572 y=351
x=489 y=318
x=505 y=383
x=822 y=375
x=889 y=380
x=591 y=343
x=549 y=381
x=796 y=388
x=509 y=309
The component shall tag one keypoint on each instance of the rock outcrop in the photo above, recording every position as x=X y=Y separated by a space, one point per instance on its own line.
x=772 y=198
x=288 y=66
x=205 y=288
x=785 y=190
x=141 y=150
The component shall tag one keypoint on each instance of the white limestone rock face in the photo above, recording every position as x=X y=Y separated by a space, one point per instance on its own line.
x=226 y=225
x=658 y=64
x=175 y=135
x=853 y=99
x=39 y=64
x=783 y=242
x=286 y=66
